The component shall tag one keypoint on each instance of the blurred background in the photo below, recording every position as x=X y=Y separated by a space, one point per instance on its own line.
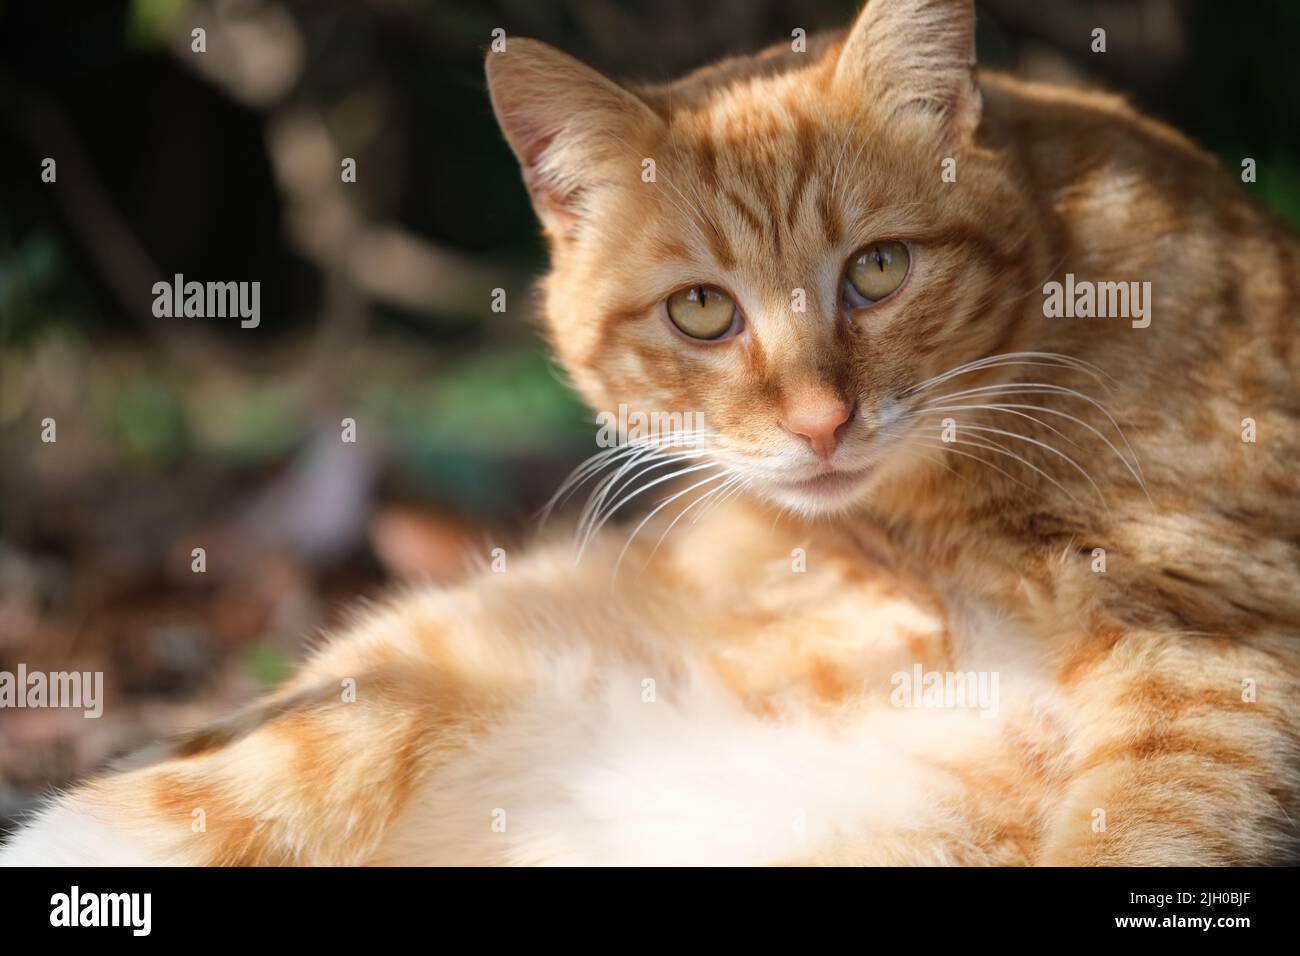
x=175 y=434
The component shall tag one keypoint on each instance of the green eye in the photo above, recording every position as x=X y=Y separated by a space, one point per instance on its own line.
x=702 y=311
x=877 y=270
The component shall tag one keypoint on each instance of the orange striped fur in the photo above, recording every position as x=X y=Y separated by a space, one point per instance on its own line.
x=714 y=703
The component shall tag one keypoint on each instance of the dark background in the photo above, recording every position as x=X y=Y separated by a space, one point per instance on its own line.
x=182 y=433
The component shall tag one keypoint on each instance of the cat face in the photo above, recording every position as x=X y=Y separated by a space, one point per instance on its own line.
x=786 y=247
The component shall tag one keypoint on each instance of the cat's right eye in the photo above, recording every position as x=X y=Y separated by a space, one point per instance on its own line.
x=702 y=312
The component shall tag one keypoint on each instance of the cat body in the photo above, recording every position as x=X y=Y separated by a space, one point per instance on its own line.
x=975 y=582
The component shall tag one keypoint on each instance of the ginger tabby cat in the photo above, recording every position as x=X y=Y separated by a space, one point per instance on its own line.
x=917 y=473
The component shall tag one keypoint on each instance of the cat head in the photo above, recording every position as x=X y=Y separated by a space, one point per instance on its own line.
x=786 y=247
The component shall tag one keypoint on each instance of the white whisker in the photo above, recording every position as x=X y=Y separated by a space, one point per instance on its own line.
x=736 y=487
x=607 y=456
x=1045 y=359
x=628 y=497
x=656 y=451
x=1043 y=388
x=702 y=498
x=993 y=446
x=1010 y=408
x=948 y=447
x=667 y=501
x=988 y=429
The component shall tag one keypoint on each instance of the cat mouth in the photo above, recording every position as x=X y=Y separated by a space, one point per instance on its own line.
x=832 y=484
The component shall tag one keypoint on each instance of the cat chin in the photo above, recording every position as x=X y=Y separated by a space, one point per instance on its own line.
x=825 y=494
x=847 y=489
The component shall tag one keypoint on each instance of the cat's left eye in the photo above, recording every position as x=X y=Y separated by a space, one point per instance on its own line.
x=875 y=272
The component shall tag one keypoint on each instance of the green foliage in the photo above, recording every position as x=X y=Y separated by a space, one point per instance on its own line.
x=268 y=665
x=1279 y=185
x=146 y=422
x=150 y=22
x=457 y=429
x=242 y=422
x=29 y=273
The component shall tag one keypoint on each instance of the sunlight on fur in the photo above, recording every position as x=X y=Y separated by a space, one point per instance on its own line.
x=917 y=478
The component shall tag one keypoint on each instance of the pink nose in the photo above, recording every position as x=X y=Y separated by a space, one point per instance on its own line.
x=821 y=423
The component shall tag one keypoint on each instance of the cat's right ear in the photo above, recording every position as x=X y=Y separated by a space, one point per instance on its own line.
x=568 y=125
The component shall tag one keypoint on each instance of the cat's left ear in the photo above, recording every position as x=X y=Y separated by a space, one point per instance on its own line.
x=571 y=128
x=915 y=60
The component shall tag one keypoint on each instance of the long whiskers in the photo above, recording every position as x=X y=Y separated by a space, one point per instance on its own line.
x=1008 y=409
x=1046 y=359
x=1011 y=409
x=992 y=399
x=1041 y=388
x=634 y=449
x=655 y=455
x=986 y=429
x=999 y=449
x=660 y=507
x=594 y=526
x=737 y=485
x=711 y=493
x=929 y=442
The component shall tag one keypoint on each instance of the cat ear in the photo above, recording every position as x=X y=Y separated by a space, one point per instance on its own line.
x=566 y=123
x=915 y=58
